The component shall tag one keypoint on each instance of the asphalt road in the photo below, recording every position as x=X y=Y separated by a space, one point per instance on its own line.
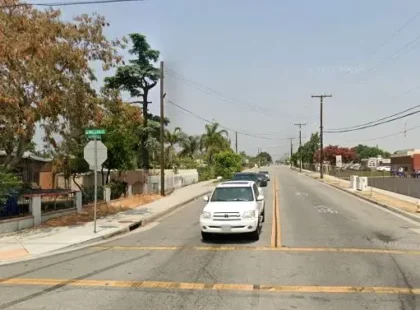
x=326 y=250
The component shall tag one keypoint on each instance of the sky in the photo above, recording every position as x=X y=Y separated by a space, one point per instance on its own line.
x=252 y=66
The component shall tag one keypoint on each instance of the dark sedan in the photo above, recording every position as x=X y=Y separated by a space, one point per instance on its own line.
x=251 y=176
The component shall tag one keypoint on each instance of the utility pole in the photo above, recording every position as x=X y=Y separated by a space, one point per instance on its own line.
x=321 y=138
x=300 y=143
x=291 y=152
x=162 y=133
x=236 y=141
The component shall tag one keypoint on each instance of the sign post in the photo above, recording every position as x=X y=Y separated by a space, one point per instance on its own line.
x=338 y=165
x=95 y=154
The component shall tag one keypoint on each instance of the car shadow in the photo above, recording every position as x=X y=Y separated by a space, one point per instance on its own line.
x=225 y=239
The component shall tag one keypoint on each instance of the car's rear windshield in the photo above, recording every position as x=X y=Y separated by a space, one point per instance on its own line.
x=265 y=172
x=246 y=177
x=233 y=194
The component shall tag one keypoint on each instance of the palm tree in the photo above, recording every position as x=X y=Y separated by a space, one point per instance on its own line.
x=214 y=140
x=191 y=145
x=172 y=138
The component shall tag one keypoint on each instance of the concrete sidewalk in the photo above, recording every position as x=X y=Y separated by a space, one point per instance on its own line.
x=36 y=242
x=404 y=205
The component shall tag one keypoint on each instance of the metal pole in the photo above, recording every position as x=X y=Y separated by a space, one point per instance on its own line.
x=162 y=129
x=300 y=144
x=96 y=184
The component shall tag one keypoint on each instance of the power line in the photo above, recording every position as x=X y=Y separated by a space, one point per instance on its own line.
x=69 y=3
x=373 y=125
x=224 y=127
x=386 y=136
x=213 y=92
x=375 y=121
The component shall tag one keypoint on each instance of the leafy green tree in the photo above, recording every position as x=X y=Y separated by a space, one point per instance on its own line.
x=214 y=140
x=8 y=182
x=310 y=148
x=120 y=120
x=264 y=158
x=226 y=163
x=138 y=78
x=364 y=151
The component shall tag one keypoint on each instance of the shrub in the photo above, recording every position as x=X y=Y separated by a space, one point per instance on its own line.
x=226 y=164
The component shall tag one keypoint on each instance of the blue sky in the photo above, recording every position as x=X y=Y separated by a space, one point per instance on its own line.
x=271 y=55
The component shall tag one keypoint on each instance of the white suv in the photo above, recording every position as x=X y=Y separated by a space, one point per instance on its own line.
x=234 y=207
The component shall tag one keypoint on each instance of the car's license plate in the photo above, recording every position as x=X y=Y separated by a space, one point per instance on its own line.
x=225 y=227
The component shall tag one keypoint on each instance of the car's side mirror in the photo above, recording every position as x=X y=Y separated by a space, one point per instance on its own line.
x=206 y=198
x=260 y=198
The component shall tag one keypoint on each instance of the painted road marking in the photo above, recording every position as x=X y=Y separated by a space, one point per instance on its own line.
x=261 y=248
x=324 y=209
x=212 y=286
x=279 y=236
x=274 y=221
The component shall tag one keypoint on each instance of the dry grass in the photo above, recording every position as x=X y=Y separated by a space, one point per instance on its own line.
x=103 y=209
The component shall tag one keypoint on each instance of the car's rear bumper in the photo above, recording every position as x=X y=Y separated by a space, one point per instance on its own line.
x=228 y=227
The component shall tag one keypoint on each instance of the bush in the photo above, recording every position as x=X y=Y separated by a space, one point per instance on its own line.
x=226 y=164
x=118 y=188
x=205 y=173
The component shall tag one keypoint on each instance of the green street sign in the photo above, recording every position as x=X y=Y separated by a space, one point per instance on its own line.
x=97 y=137
x=94 y=132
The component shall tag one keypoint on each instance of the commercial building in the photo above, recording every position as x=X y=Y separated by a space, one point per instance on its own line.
x=409 y=160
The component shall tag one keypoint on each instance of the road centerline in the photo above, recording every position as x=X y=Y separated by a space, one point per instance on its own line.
x=209 y=286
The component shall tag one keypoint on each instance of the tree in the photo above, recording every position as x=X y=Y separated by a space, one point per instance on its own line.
x=172 y=138
x=214 y=140
x=226 y=163
x=120 y=120
x=190 y=146
x=264 y=158
x=331 y=151
x=138 y=78
x=45 y=73
x=310 y=148
x=8 y=183
x=364 y=151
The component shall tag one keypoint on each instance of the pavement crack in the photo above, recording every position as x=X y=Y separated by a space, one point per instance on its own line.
x=65 y=283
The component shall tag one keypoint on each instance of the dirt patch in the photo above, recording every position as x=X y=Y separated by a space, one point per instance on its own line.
x=103 y=210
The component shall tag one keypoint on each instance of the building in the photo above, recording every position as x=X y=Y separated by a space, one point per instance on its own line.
x=34 y=169
x=407 y=159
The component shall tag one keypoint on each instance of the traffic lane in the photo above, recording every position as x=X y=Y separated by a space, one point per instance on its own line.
x=111 y=299
x=317 y=215
x=240 y=267
x=182 y=228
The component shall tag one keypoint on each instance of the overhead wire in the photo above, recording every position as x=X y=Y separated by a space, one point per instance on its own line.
x=224 y=127
x=208 y=90
x=66 y=3
x=373 y=125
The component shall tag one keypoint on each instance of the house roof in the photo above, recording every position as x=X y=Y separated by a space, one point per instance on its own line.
x=29 y=155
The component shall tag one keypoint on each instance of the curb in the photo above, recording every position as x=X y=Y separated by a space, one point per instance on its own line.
x=122 y=231
x=390 y=208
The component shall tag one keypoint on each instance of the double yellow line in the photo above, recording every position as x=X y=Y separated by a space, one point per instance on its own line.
x=276 y=227
x=210 y=286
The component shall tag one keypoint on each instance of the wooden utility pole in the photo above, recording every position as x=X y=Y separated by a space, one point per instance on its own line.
x=236 y=141
x=300 y=143
x=162 y=133
x=321 y=133
x=291 y=152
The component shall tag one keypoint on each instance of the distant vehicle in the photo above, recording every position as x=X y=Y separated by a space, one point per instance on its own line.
x=263 y=179
x=235 y=207
x=249 y=176
x=383 y=168
x=267 y=175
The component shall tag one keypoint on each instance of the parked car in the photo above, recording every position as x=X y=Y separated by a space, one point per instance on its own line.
x=267 y=175
x=249 y=176
x=235 y=207
x=263 y=179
